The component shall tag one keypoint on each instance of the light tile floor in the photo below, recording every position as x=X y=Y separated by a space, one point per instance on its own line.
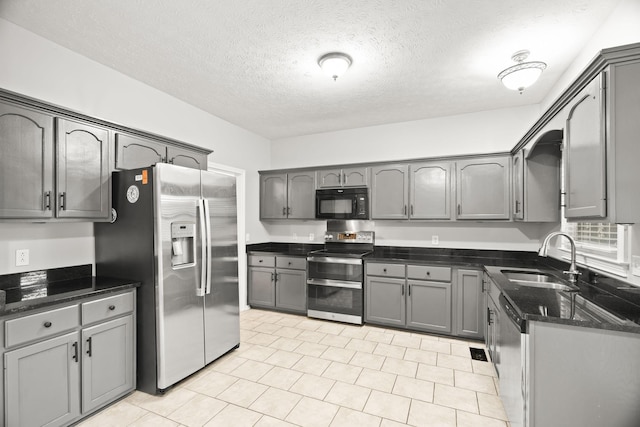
x=294 y=371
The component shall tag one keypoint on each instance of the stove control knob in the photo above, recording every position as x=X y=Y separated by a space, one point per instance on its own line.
x=328 y=237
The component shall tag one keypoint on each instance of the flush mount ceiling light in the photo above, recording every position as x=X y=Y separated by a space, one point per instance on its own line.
x=523 y=74
x=334 y=64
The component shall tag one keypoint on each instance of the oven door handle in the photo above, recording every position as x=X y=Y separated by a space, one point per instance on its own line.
x=334 y=283
x=333 y=260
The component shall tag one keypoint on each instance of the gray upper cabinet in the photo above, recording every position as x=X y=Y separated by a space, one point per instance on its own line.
x=301 y=195
x=389 y=191
x=133 y=152
x=430 y=190
x=65 y=175
x=187 y=158
x=82 y=170
x=287 y=196
x=26 y=163
x=585 y=150
x=483 y=188
x=347 y=177
x=536 y=180
x=601 y=149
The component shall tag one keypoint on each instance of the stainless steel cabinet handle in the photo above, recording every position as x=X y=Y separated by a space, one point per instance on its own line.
x=47 y=324
x=411 y=210
x=404 y=210
x=517 y=206
x=409 y=289
x=288 y=210
x=62 y=197
x=459 y=209
x=273 y=277
x=89 y=346
x=284 y=210
x=112 y=307
x=402 y=291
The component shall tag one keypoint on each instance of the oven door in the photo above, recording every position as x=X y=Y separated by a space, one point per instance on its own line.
x=335 y=301
x=336 y=269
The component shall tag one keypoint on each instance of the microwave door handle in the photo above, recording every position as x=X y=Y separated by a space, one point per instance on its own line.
x=207 y=223
x=203 y=250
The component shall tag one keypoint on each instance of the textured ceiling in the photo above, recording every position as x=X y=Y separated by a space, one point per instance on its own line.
x=254 y=62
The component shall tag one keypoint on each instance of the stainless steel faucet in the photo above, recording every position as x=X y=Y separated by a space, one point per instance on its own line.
x=573 y=271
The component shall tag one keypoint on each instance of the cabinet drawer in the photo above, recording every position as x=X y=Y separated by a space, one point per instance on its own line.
x=385 y=270
x=106 y=308
x=41 y=325
x=295 y=263
x=262 y=260
x=428 y=272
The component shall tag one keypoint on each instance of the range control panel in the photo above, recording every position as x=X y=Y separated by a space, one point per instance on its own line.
x=349 y=236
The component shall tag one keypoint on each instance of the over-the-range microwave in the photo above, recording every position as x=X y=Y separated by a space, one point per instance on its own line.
x=342 y=203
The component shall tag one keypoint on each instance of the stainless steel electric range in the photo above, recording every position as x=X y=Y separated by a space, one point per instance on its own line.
x=335 y=274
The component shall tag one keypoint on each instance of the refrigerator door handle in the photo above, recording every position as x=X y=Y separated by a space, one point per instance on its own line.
x=207 y=219
x=200 y=290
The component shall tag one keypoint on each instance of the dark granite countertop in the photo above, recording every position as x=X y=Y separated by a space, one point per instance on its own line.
x=36 y=289
x=611 y=294
x=289 y=249
x=530 y=302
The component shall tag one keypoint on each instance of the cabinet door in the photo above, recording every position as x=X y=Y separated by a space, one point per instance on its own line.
x=429 y=306
x=107 y=362
x=291 y=290
x=389 y=192
x=469 y=305
x=273 y=196
x=42 y=383
x=330 y=178
x=483 y=188
x=261 y=283
x=301 y=195
x=517 y=163
x=134 y=153
x=26 y=163
x=355 y=177
x=584 y=151
x=82 y=170
x=385 y=301
x=187 y=158
x=430 y=191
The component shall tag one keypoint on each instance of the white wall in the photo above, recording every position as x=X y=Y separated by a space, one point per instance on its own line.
x=36 y=67
x=475 y=133
x=481 y=132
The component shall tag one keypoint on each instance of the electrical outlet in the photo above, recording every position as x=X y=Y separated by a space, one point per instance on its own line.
x=22 y=257
x=635 y=265
x=295 y=236
x=435 y=240
x=312 y=237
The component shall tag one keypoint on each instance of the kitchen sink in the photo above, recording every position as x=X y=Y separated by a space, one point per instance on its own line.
x=536 y=279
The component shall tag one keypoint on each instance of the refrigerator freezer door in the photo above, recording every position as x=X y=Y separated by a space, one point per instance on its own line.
x=180 y=346
x=221 y=316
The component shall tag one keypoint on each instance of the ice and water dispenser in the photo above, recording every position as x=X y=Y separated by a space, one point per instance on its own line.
x=183 y=244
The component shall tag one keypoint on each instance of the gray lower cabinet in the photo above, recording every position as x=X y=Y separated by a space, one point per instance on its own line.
x=63 y=363
x=385 y=303
x=427 y=298
x=429 y=306
x=470 y=304
x=107 y=362
x=278 y=281
x=42 y=383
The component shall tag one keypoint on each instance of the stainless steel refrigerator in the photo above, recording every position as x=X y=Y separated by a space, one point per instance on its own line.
x=174 y=230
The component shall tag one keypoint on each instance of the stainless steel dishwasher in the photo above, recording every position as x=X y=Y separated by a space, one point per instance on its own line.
x=512 y=372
